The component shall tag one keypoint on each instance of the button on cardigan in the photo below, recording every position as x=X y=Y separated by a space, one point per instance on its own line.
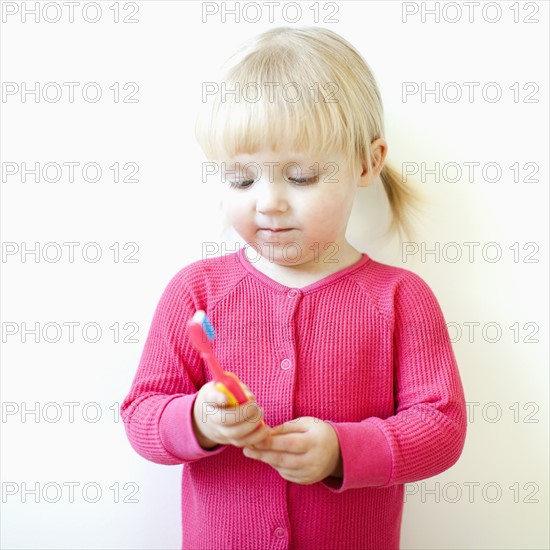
x=365 y=349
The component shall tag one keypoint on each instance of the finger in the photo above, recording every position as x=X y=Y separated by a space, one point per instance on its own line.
x=276 y=459
x=236 y=430
x=257 y=436
x=248 y=413
x=251 y=412
x=301 y=424
x=295 y=476
x=294 y=443
x=247 y=391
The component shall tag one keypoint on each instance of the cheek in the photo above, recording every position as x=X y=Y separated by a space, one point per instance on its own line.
x=237 y=210
x=232 y=205
x=326 y=211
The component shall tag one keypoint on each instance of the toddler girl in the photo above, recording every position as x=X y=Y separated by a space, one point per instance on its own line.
x=354 y=386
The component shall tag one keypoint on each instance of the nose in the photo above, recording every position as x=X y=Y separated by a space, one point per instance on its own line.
x=271 y=197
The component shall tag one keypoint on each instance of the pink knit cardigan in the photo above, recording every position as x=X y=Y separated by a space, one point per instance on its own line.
x=366 y=349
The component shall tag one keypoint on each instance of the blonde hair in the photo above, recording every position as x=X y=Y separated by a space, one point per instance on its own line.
x=339 y=107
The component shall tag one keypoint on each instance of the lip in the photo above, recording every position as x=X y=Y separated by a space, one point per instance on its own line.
x=270 y=231
x=276 y=230
x=270 y=234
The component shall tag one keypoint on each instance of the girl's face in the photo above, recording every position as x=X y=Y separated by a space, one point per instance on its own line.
x=294 y=209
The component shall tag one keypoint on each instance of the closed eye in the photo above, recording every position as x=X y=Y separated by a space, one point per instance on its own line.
x=304 y=181
x=243 y=184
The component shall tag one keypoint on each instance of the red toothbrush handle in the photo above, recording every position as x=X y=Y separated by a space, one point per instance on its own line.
x=231 y=386
x=226 y=382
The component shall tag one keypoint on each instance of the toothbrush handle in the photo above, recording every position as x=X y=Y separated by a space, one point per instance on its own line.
x=212 y=361
x=226 y=382
x=231 y=387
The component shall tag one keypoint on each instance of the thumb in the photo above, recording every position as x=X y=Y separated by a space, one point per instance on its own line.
x=219 y=397
x=214 y=395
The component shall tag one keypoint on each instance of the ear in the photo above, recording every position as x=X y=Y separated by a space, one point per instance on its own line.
x=379 y=150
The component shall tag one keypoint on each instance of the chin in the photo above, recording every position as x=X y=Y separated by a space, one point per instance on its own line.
x=279 y=258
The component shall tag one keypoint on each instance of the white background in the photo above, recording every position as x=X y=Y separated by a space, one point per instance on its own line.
x=169 y=52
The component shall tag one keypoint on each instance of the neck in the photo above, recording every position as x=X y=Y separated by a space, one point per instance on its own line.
x=307 y=272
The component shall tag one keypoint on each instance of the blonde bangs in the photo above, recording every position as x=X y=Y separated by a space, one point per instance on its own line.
x=277 y=126
x=302 y=90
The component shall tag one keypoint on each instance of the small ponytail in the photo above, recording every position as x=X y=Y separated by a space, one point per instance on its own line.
x=402 y=199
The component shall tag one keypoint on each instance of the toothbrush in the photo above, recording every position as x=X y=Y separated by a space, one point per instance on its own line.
x=198 y=327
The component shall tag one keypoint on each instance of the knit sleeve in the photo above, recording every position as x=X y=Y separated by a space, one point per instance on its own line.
x=426 y=434
x=157 y=412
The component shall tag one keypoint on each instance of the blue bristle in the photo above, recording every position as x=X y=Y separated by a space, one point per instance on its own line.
x=208 y=328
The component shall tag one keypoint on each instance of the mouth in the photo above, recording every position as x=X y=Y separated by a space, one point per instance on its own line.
x=274 y=231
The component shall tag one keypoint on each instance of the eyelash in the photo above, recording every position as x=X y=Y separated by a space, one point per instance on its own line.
x=298 y=181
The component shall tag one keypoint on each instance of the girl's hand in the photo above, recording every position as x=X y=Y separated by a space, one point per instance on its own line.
x=216 y=423
x=304 y=450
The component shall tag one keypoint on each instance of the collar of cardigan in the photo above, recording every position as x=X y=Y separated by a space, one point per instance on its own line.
x=279 y=287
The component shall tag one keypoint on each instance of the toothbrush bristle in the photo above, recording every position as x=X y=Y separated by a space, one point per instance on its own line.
x=201 y=318
x=208 y=328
